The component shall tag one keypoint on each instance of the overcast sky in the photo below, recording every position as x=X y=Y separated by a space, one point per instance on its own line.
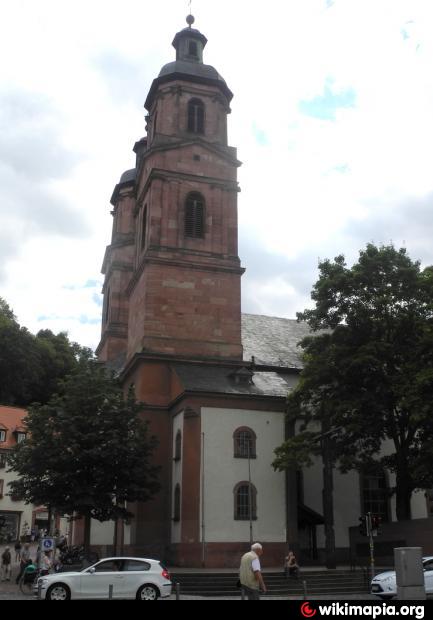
x=332 y=118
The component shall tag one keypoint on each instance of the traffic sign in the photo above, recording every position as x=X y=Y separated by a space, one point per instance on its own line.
x=47 y=544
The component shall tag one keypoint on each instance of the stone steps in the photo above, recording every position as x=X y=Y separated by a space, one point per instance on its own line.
x=317 y=582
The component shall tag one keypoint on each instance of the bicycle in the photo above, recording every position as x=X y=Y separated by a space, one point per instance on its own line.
x=27 y=582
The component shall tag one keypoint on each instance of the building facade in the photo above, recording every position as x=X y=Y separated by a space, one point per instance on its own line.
x=17 y=519
x=213 y=381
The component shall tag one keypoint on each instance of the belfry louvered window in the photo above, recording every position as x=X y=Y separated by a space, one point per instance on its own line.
x=196 y=116
x=194 y=216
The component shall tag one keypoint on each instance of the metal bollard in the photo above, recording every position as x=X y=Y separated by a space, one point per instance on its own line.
x=242 y=594
x=304 y=586
x=110 y=592
x=177 y=590
x=39 y=591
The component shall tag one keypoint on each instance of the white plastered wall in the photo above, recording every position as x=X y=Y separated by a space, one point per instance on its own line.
x=222 y=472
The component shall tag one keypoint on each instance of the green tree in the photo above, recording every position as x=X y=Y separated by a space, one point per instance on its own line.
x=33 y=367
x=88 y=450
x=369 y=369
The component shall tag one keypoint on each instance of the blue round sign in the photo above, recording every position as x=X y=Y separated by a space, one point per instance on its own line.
x=48 y=544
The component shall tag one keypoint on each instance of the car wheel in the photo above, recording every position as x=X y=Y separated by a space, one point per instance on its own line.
x=58 y=592
x=148 y=593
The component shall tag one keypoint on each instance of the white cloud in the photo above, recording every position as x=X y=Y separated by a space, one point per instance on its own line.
x=73 y=85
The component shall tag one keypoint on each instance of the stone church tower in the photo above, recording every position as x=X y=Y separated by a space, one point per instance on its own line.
x=172 y=271
x=172 y=327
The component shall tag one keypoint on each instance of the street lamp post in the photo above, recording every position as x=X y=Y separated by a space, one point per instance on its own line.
x=250 y=494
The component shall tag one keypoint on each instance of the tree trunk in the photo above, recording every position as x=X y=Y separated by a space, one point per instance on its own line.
x=328 y=503
x=87 y=525
x=403 y=493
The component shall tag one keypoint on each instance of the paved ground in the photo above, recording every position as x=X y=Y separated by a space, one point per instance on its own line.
x=10 y=591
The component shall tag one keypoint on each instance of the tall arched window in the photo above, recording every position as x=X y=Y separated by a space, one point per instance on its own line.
x=375 y=493
x=143 y=227
x=107 y=306
x=178 y=446
x=194 y=216
x=196 y=116
x=244 y=440
x=176 y=506
x=245 y=499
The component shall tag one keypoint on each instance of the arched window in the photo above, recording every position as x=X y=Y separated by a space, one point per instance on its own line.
x=107 y=307
x=194 y=216
x=176 y=507
x=244 y=443
x=375 y=494
x=196 y=116
x=245 y=498
x=178 y=446
x=143 y=227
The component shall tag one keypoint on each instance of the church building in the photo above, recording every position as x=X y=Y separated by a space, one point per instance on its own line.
x=213 y=381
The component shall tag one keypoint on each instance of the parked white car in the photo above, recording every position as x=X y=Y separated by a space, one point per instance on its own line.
x=384 y=585
x=130 y=578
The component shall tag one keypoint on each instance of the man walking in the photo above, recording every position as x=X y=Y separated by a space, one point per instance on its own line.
x=250 y=573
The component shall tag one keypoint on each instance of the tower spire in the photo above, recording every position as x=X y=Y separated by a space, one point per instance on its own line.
x=190 y=17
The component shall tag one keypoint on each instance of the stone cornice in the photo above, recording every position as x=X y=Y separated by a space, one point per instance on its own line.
x=175 y=143
x=165 y=175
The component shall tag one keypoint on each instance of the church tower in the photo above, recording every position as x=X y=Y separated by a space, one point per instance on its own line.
x=172 y=285
x=172 y=289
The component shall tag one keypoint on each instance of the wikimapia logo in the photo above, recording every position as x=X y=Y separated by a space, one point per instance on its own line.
x=375 y=611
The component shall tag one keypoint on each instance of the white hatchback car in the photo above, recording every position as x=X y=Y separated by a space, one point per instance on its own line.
x=384 y=585
x=120 y=578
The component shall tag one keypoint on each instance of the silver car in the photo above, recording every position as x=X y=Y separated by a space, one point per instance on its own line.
x=117 y=578
x=384 y=585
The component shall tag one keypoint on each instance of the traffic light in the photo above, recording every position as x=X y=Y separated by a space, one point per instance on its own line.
x=363 y=526
x=376 y=522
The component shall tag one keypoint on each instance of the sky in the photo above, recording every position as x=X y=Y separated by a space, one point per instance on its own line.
x=332 y=117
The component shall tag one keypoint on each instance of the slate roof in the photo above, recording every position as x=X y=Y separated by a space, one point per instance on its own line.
x=220 y=380
x=273 y=341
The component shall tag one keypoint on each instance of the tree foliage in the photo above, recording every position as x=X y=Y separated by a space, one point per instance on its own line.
x=369 y=368
x=88 y=450
x=32 y=367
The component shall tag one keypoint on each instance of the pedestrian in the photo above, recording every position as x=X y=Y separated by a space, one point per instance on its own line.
x=25 y=557
x=291 y=567
x=17 y=550
x=6 y=564
x=250 y=573
x=46 y=563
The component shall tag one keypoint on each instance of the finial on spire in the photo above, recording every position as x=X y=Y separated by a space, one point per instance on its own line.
x=190 y=19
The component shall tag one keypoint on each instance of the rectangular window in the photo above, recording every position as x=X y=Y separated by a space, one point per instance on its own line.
x=2 y=460
x=21 y=437
x=2 y=436
x=1 y=487
x=375 y=495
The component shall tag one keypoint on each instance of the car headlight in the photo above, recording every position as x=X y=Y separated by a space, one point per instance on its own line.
x=42 y=582
x=387 y=579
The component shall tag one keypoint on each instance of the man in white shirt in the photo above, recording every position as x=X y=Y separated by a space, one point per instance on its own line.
x=250 y=573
